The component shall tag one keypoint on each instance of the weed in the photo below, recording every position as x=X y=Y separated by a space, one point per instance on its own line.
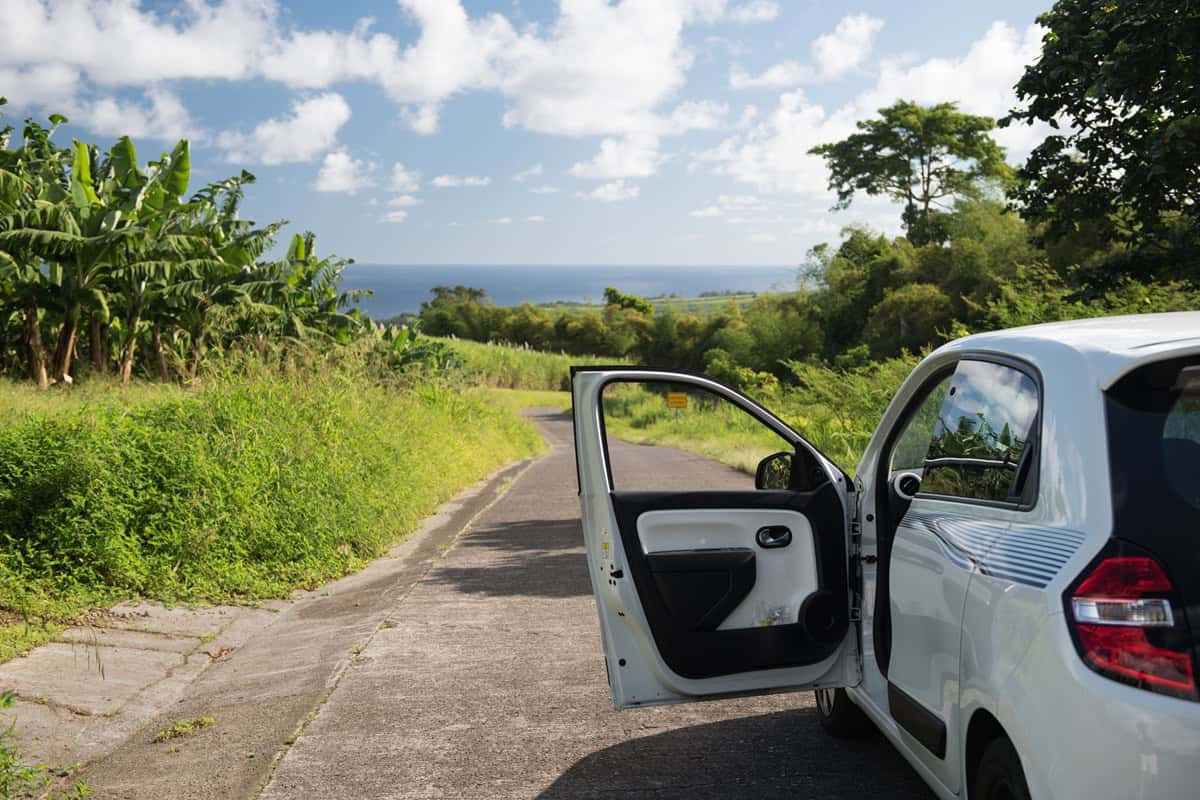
x=18 y=779
x=184 y=728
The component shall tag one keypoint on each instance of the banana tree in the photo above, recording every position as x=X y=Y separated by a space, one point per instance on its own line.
x=109 y=205
x=305 y=292
x=31 y=184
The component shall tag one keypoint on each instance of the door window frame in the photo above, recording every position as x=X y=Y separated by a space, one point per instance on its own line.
x=706 y=384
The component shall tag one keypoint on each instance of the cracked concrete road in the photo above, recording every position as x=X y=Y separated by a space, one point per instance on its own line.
x=487 y=681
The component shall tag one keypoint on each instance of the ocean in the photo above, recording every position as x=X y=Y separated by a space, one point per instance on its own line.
x=402 y=288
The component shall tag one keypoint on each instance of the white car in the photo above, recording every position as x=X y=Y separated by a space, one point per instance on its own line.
x=1009 y=589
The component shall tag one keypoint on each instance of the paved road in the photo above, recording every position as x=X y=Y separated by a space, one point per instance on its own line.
x=487 y=681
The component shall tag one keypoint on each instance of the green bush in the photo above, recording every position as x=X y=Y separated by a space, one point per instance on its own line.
x=242 y=490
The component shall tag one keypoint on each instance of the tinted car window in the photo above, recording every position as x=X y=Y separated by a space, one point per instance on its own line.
x=981 y=433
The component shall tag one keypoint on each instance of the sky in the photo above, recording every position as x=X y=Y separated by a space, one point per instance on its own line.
x=519 y=131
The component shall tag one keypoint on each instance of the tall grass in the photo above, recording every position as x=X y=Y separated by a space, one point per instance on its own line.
x=511 y=367
x=241 y=490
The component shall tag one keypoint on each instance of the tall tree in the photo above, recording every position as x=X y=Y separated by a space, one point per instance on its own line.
x=1125 y=78
x=922 y=156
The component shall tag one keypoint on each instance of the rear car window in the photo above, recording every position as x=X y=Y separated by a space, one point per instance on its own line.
x=1154 y=438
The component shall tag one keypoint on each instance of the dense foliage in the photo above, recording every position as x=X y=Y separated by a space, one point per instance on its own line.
x=870 y=297
x=1121 y=84
x=113 y=262
x=264 y=480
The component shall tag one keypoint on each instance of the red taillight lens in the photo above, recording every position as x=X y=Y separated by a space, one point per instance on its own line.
x=1115 y=608
x=1127 y=577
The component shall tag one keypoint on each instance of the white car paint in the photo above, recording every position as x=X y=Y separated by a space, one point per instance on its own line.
x=978 y=640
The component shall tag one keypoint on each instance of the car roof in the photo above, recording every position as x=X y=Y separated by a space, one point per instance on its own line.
x=1112 y=346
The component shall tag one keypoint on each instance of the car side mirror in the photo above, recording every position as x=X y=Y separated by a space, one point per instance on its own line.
x=775 y=471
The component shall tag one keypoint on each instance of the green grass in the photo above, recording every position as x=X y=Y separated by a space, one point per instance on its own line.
x=527 y=398
x=510 y=367
x=242 y=490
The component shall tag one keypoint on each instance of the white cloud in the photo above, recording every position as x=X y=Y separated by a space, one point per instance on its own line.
x=544 y=190
x=404 y=180
x=394 y=216
x=501 y=221
x=701 y=115
x=772 y=152
x=763 y=238
x=310 y=130
x=535 y=218
x=754 y=11
x=560 y=77
x=833 y=56
x=632 y=156
x=117 y=43
x=612 y=192
x=739 y=200
x=162 y=117
x=457 y=181
x=341 y=172
x=730 y=204
x=847 y=47
x=603 y=69
x=756 y=220
x=404 y=201
x=980 y=82
x=526 y=174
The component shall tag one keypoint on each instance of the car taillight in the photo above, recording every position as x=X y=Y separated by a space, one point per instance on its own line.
x=1126 y=629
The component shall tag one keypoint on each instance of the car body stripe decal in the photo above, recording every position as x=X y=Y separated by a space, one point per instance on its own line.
x=1032 y=555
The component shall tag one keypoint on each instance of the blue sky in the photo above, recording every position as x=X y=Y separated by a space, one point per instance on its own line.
x=519 y=131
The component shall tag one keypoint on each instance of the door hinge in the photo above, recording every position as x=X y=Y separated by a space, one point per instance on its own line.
x=870 y=559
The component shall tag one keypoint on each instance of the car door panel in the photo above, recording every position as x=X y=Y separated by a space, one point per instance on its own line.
x=932 y=560
x=679 y=575
x=786 y=574
x=809 y=636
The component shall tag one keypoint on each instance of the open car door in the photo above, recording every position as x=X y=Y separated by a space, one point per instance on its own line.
x=709 y=580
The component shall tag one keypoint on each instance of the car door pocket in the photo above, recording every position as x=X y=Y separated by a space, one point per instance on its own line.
x=772 y=536
x=700 y=588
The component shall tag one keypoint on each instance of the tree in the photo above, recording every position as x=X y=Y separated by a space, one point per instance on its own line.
x=1126 y=78
x=908 y=318
x=922 y=156
x=615 y=297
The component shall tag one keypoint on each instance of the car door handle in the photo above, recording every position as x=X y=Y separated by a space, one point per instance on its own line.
x=771 y=536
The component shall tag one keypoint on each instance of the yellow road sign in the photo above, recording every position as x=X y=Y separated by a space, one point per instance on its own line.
x=676 y=400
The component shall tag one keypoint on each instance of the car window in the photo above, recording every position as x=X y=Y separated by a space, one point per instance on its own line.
x=981 y=432
x=912 y=445
x=1181 y=437
x=723 y=442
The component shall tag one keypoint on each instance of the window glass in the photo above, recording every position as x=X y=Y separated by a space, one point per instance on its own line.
x=722 y=444
x=908 y=454
x=981 y=431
